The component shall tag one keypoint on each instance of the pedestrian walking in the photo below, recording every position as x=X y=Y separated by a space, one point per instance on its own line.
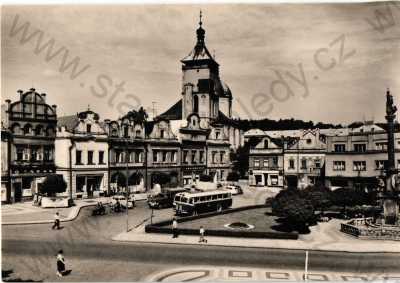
x=56 y=221
x=60 y=263
x=202 y=232
x=175 y=228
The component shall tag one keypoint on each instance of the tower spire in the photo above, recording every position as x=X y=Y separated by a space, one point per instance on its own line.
x=200 y=31
x=201 y=15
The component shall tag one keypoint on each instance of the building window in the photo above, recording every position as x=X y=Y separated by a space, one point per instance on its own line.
x=155 y=156
x=39 y=131
x=222 y=156
x=185 y=156
x=256 y=163
x=317 y=163
x=359 y=165
x=101 y=157
x=88 y=128
x=215 y=157
x=265 y=143
x=20 y=153
x=78 y=157
x=274 y=180
x=339 y=165
x=195 y=104
x=164 y=156
x=27 y=129
x=308 y=141
x=201 y=156
x=194 y=160
x=266 y=163
x=381 y=145
x=217 y=134
x=340 y=147
x=138 y=133
x=34 y=153
x=303 y=164
x=126 y=131
x=117 y=156
x=173 y=156
x=291 y=163
x=275 y=161
x=90 y=157
x=162 y=133
x=360 y=147
x=48 y=153
x=380 y=164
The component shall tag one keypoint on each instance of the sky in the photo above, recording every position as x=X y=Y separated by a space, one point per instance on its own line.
x=319 y=62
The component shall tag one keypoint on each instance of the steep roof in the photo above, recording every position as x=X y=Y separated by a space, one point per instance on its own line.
x=69 y=122
x=174 y=112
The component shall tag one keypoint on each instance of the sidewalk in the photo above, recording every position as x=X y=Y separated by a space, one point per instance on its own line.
x=324 y=237
x=26 y=213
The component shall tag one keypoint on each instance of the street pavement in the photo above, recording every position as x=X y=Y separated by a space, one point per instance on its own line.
x=29 y=251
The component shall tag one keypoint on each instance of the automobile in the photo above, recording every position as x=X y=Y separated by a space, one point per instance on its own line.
x=164 y=199
x=159 y=201
x=122 y=200
x=234 y=189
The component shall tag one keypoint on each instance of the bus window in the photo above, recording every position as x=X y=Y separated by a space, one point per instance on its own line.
x=202 y=198
x=215 y=197
x=184 y=199
x=191 y=200
x=177 y=198
x=196 y=199
x=225 y=196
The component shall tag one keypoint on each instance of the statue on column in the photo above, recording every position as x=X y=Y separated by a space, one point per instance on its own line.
x=391 y=109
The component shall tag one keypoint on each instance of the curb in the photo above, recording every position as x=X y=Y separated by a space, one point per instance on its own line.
x=253 y=247
x=49 y=221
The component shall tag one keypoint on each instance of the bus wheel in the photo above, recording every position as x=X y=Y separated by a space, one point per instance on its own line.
x=219 y=208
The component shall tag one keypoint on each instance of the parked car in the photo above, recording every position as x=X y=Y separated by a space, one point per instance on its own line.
x=122 y=200
x=164 y=199
x=234 y=189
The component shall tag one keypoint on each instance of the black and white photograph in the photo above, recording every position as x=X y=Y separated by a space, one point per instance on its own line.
x=200 y=141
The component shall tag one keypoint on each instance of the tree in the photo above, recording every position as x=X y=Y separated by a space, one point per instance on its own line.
x=319 y=196
x=52 y=185
x=296 y=211
x=348 y=197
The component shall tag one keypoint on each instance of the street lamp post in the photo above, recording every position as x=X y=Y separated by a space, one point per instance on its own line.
x=127 y=184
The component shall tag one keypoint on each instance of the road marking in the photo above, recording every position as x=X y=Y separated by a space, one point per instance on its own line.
x=212 y=273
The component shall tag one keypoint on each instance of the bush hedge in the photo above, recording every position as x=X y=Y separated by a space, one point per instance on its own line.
x=159 y=227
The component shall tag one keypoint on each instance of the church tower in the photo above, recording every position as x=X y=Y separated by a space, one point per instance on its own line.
x=201 y=85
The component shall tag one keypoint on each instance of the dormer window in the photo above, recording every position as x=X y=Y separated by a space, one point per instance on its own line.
x=265 y=143
x=126 y=132
x=217 y=134
x=162 y=133
x=88 y=128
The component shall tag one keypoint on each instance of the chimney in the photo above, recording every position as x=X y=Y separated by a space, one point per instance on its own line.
x=8 y=101
x=20 y=92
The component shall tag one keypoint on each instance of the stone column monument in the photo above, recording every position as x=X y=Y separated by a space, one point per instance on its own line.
x=390 y=195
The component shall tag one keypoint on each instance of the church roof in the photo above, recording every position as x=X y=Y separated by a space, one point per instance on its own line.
x=174 y=112
x=200 y=51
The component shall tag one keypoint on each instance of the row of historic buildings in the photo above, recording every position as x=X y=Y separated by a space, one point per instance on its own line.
x=336 y=157
x=193 y=137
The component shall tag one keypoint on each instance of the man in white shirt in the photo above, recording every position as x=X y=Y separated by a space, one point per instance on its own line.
x=175 y=228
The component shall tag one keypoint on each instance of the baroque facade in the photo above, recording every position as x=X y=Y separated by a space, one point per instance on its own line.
x=29 y=125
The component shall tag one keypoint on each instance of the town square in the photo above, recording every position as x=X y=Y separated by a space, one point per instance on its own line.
x=224 y=142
